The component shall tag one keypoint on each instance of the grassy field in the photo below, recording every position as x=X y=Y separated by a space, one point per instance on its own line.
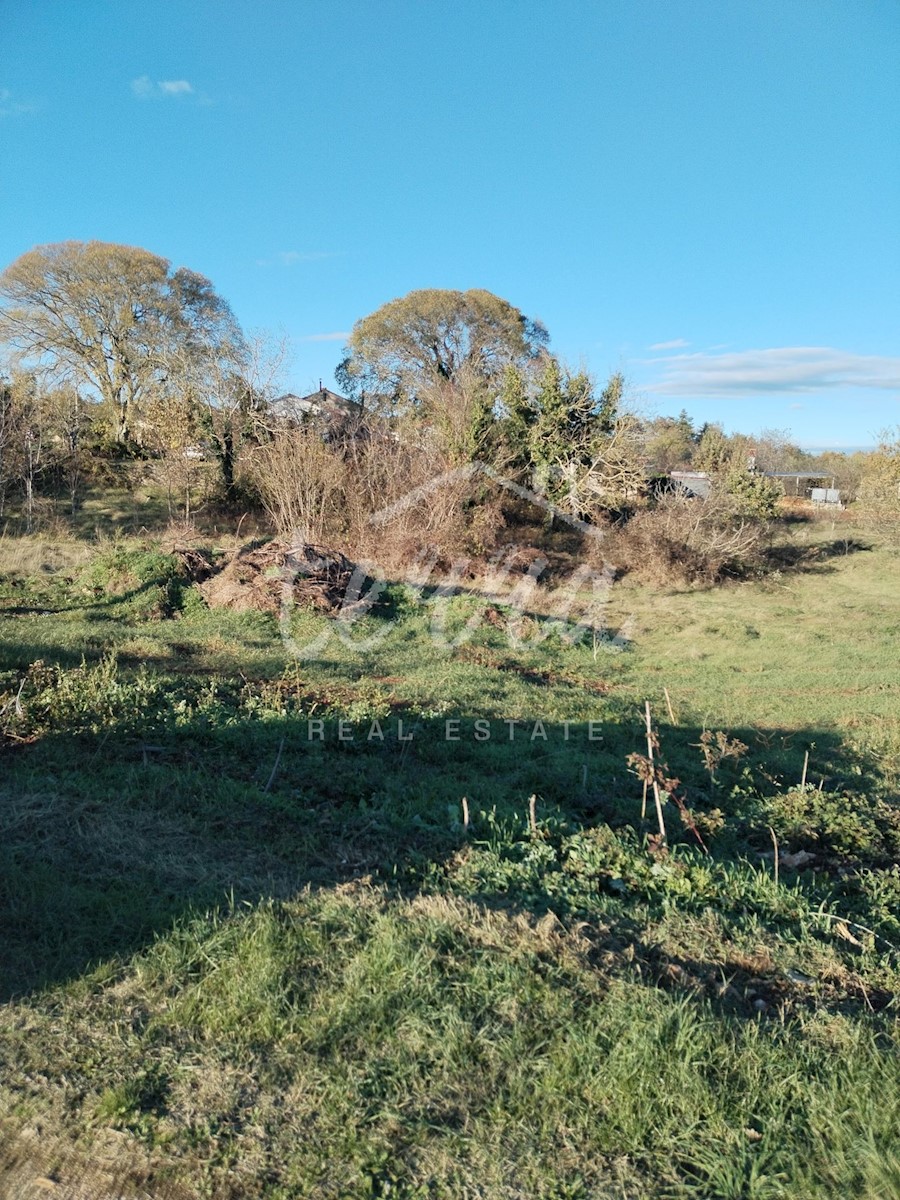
x=246 y=956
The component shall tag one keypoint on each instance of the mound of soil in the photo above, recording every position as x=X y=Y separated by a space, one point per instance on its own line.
x=261 y=576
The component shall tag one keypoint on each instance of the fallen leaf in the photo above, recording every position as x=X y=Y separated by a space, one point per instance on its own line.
x=843 y=930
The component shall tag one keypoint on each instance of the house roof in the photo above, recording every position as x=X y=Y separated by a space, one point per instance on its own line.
x=797 y=474
x=693 y=483
x=325 y=397
x=323 y=403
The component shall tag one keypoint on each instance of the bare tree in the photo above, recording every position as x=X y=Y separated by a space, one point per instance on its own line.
x=31 y=430
x=69 y=421
x=10 y=422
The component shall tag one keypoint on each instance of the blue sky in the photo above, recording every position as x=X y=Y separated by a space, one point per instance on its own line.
x=705 y=195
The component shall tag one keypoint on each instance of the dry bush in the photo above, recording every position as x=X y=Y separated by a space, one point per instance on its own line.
x=376 y=495
x=688 y=540
x=404 y=500
x=878 y=494
x=300 y=479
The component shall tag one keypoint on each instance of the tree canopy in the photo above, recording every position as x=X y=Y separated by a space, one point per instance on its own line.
x=434 y=336
x=113 y=319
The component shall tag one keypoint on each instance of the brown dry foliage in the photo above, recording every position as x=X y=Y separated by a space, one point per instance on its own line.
x=379 y=496
x=405 y=499
x=300 y=480
x=685 y=540
x=265 y=577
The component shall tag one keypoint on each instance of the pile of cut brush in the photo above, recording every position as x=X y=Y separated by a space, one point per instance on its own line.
x=264 y=575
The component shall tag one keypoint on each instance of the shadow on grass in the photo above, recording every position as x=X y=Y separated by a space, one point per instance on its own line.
x=107 y=839
x=812 y=557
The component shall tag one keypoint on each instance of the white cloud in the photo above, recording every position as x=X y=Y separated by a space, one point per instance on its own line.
x=289 y=258
x=339 y=336
x=10 y=107
x=781 y=369
x=677 y=344
x=145 y=88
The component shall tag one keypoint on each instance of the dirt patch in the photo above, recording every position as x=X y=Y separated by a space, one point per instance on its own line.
x=38 y=1164
x=262 y=576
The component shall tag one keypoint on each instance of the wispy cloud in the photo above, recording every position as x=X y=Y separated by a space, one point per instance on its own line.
x=175 y=87
x=290 y=258
x=147 y=89
x=677 y=344
x=781 y=369
x=11 y=107
x=339 y=336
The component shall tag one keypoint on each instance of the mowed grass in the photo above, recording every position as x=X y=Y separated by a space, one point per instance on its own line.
x=819 y=644
x=241 y=960
x=349 y=1044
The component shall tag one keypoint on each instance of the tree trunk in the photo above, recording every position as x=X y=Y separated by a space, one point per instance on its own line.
x=122 y=423
x=226 y=462
x=29 y=504
x=31 y=459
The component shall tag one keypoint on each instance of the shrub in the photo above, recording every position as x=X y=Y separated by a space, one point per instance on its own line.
x=407 y=504
x=141 y=584
x=878 y=494
x=300 y=480
x=685 y=540
x=754 y=495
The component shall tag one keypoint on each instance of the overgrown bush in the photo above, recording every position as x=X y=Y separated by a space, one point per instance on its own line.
x=300 y=480
x=687 y=540
x=409 y=503
x=878 y=494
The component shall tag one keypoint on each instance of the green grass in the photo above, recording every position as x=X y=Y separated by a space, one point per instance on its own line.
x=247 y=963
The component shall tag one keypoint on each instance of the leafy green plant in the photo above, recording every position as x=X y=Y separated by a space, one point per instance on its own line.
x=140 y=584
x=754 y=495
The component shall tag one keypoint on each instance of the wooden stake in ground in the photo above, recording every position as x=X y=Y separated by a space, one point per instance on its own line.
x=669 y=706
x=659 y=811
x=805 y=769
x=275 y=765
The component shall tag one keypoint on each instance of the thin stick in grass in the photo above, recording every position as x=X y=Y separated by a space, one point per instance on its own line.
x=655 y=782
x=275 y=766
x=669 y=706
